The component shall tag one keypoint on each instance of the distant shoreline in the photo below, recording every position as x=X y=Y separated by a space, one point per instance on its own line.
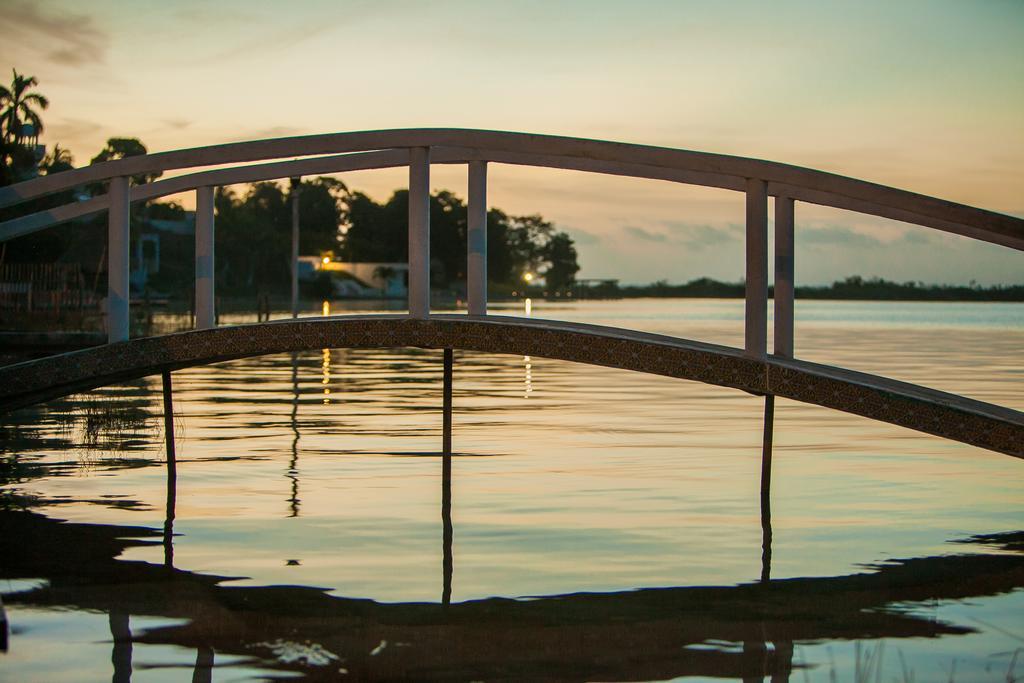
x=852 y=288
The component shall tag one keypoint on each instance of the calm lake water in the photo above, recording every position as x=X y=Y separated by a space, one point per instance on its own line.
x=605 y=525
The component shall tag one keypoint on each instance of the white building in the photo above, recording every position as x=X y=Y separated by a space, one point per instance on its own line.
x=359 y=280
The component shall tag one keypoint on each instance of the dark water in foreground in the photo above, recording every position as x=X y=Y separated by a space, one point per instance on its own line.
x=606 y=525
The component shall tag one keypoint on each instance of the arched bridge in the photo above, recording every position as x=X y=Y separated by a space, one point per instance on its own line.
x=751 y=368
x=899 y=403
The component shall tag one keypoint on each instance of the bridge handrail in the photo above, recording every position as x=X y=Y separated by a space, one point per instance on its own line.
x=452 y=155
x=702 y=168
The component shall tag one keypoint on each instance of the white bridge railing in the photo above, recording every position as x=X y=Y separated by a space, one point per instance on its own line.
x=420 y=148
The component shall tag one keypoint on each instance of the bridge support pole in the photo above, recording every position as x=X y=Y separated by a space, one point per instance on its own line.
x=756 y=330
x=766 y=488
x=784 y=283
x=447 y=566
x=419 y=232
x=118 y=269
x=293 y=466
x=206 y=316
x=476 y=272
x=296 y=183
x=172 y=472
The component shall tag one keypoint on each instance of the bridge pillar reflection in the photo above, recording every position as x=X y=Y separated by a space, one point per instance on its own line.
x=172 y=472
x=447 y=563
x=202 y=672
x=293 y=466
x=759 y=661
x=121 y=652
x=766 y=489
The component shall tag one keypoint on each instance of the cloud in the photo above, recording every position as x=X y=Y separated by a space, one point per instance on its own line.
x=64 y=38
x=917 y=237
x=72 y=128
x=178 y=124
x=277 y=33
x=695 y=237
x=645 y=235
x=692 y=236
x=836 y=236
x=582 y=236
x=699 y=236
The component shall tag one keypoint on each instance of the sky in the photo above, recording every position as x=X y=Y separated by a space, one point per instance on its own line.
x=925 y=95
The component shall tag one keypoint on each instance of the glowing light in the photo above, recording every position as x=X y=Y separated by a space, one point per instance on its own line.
x=326 y=260
x=528 y=306
x=327 y=308
x=528 y=276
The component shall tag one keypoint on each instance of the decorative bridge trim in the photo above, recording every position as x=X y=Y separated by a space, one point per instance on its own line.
x=907 y=405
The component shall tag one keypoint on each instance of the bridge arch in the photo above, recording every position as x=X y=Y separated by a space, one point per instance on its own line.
x=338 y=152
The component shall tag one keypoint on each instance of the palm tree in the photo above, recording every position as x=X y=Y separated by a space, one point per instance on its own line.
x=58 y=160
x=17 y=105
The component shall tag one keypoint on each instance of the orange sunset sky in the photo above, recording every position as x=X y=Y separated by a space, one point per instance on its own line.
x=923 y=95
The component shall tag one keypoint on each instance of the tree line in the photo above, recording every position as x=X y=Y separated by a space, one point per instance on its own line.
x=253 y=224
x=253 y=235
x=854 y=287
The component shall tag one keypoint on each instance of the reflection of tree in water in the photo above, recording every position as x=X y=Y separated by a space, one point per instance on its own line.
x=111 y=419
x=108 y=422
x=116 y=421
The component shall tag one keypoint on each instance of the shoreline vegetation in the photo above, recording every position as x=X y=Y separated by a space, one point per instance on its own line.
x=854 y=288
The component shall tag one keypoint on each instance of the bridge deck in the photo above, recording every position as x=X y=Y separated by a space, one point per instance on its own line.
x=934 y=412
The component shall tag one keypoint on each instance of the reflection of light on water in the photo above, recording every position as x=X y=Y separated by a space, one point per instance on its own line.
x=528 y=309
x=326 y=365
x=325 y=370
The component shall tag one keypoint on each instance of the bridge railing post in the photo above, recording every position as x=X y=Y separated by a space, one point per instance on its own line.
x=206 y=316
x=118 y=267
x=784 y=284
x=419 y=232
x=476 y=258
x=756 y=318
